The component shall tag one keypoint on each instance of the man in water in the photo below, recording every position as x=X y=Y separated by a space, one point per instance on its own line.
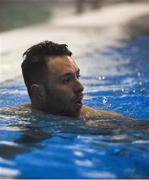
x=52 y=80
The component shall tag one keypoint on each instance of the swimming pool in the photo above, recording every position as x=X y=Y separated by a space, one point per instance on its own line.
x=47 y=146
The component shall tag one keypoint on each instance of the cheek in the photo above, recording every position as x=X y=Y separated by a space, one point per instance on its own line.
x=63 y=92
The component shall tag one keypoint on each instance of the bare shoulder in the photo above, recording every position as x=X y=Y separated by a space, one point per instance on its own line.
x=88 y=112
x=24 y=107
x=15 y=110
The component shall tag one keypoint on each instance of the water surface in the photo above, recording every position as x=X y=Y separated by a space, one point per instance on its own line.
x=47 y=146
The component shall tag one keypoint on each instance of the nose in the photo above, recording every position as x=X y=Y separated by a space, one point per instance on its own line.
x=78 y=87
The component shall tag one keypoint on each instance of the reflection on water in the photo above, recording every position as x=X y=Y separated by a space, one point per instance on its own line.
x=48 y=146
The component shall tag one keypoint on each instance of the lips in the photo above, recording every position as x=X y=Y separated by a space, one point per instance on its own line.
x=78 y=101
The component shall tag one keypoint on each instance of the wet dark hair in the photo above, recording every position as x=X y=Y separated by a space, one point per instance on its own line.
x=34 y=66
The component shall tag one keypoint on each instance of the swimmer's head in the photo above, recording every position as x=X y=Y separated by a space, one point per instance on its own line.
x=52 y=79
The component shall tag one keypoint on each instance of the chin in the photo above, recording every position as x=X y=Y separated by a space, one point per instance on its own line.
x=76 y=113
x=70 y=113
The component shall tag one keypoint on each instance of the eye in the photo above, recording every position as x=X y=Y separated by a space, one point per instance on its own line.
x=66 y=80
x=78 y=76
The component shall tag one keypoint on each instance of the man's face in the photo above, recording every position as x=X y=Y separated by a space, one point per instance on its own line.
x=63 y=89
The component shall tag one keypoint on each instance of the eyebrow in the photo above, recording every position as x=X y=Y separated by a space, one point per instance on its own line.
x=70 y=73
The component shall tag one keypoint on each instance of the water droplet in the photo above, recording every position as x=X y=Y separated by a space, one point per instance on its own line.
x=105 y=100
x=140 y=83
x=123 y=90
x=139 y=74
x=100 y=78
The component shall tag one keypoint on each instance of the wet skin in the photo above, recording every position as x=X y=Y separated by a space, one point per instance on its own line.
x=62 y=93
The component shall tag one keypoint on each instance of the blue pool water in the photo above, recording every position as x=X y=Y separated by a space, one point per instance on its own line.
x=47 y=146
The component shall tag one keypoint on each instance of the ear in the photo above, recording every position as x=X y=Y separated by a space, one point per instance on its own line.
x=37 y=92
